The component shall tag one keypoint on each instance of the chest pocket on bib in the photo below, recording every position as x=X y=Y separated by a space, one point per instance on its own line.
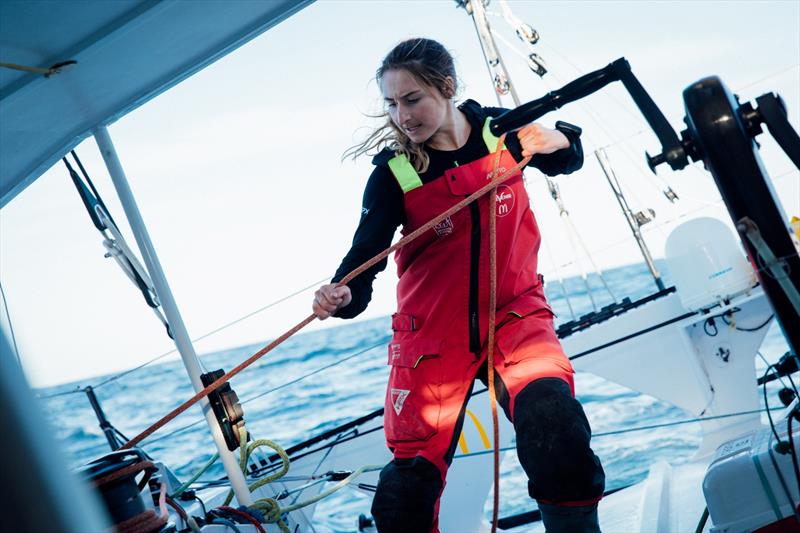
x=463 y=181
x=413 y=396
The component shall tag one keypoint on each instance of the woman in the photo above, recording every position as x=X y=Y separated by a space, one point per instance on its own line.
x=434 y=154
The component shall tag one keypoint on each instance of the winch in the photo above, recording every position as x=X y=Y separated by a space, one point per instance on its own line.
x=115 y=477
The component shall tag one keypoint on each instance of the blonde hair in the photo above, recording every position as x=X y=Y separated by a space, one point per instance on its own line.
x=432 y=65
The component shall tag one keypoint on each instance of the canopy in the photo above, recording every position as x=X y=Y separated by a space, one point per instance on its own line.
x=127 y=52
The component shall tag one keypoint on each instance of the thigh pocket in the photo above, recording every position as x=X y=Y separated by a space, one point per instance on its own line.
x=531 y=336
x=413 y=396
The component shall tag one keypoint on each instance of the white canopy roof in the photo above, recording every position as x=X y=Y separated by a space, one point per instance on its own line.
x=127 y=52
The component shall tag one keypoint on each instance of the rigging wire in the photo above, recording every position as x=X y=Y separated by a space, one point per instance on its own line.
x=767 y=77
x=638 y=164
x=572 y=231
x=317 y=371
x=212 y=332
x=76 y=390
x=652 y=227
x=115 y=377
x=649 y=178
x=10 y=325
x=620 y=431
x=274 y=389
x=623 y=431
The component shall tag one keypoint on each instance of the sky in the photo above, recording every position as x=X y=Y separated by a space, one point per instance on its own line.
x=239 y=178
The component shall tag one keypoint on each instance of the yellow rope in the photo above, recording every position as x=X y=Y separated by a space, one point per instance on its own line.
x=339 y=485
x=180 y=490
x=246 y=450
x=270 y=506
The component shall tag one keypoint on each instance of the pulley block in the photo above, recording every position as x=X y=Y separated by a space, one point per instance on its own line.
x=226 y=407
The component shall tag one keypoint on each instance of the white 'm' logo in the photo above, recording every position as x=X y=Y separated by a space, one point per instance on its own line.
x=398 y=399
x=505 y=200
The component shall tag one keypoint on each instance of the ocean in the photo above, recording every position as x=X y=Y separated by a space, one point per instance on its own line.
x=355 y=387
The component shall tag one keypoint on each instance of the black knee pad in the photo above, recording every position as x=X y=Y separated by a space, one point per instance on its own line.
x=553 y=437
x=406 y=496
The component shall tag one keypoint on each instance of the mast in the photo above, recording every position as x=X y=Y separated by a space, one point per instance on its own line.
x=504 y=85
x=182 y=341
x=494 y=61
x=633 y=222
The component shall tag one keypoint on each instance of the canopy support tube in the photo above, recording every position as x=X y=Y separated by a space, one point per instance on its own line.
x=181 y=336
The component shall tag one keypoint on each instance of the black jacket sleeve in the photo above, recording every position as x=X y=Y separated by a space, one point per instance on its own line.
x=564 y=161
x=381 y=213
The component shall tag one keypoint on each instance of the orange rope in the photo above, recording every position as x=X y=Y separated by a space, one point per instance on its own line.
x=268 y=348
x=490 y=336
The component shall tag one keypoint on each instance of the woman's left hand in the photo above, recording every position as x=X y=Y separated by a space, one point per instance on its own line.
x=536 y=139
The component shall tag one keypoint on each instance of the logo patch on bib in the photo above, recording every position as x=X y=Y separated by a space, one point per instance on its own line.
x=398 y=399
x=443 y=228
x=505 y=200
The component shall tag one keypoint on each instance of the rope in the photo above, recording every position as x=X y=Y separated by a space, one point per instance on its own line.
x=269 y=506
x=256 y=356
x=336 y=487
x=143 y=466
x=768 y=76
x=212 y=332
x=180 y=490
x=490 y=339
x=246 y=450
x=244 y=516
x=196 y=339
x=270 y=391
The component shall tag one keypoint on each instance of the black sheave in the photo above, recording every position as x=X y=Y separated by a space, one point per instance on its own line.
x=383 y=207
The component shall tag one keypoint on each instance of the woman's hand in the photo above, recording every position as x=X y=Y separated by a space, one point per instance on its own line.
x=536 y=139
x=330 y=298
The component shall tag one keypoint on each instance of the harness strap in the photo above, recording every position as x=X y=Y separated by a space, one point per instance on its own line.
x=492 y=142
x=406 y=175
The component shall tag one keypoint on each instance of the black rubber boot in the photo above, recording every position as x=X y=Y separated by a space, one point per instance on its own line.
x=569 y=519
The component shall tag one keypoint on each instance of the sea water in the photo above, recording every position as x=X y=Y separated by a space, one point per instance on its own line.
x=345 y=391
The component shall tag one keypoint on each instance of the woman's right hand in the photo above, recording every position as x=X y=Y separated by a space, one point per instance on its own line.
x=330 y=298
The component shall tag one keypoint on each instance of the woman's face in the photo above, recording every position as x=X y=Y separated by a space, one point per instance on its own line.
x=417 y=109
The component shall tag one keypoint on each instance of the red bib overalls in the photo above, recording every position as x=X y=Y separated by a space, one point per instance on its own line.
x=441 y=323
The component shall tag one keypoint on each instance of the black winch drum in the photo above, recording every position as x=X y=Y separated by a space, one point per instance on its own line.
x=114 y=475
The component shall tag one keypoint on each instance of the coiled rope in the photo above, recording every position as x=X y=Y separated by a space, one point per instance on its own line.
x=269 y=507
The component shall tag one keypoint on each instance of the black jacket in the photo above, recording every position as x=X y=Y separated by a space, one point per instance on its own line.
x=383 y=208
